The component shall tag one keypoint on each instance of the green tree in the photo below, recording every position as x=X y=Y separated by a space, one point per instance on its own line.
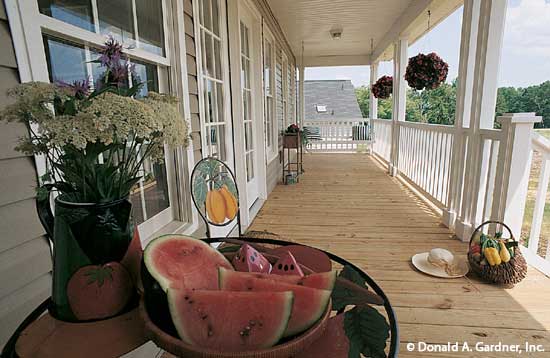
x=363 y=98
x=363 y=95
x=537 y=99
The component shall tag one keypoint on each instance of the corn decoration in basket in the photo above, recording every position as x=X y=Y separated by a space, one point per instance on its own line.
x=494 y=258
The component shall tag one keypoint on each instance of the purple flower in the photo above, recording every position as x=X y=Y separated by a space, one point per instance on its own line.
x=78 y=89
x=111 y=53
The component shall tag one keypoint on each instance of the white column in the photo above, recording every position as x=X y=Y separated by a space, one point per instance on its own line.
x=373 y=101
x=514 y=168
x=468 y=41
x=400 y=59
x=302 y=114
x=487 y=62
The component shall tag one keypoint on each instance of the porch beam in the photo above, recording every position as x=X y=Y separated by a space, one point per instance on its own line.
x=321 y=61
x=373 y=101
x=398 y=28
x=400 y=58
x=487 y=62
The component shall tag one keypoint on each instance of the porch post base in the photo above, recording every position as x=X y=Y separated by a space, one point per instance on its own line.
x=448 y=218
x=392 y=170
x=463 y=230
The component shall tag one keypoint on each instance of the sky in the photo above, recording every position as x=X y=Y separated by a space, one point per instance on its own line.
x=525 y=57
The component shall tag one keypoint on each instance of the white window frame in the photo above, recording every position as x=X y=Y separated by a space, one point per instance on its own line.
x=28 y=26
x=272 y=151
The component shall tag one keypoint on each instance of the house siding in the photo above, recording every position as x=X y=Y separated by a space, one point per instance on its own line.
x=192 y=79
x=25 y=261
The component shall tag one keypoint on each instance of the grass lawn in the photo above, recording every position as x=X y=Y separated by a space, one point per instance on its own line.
x=529 y=207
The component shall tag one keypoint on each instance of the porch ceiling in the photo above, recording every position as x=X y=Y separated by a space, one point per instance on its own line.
x=383 y=21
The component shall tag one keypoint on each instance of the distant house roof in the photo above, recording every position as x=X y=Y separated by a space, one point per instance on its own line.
x=330 y=99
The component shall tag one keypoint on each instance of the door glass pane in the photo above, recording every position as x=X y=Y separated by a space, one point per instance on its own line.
x=249 y=166
x=66 y=61
x=269 y=121
x=150 y=25
x=116 y=19
x=74 y=12
x=221 y=114
x=209 y=97
x=218 y=59
x=155 y=187
x=215 y=18
x=209 y=54
x=267 y=67
x=148 y=75
x=207 y=14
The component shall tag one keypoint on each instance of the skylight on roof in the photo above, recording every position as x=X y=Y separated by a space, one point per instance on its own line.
x=321 y=109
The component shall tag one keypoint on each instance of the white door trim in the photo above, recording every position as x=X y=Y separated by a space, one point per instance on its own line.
x=234 y=14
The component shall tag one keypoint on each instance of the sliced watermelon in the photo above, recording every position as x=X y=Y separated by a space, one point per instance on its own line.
x=287 y=265
x=230 y=321
x=309 y=303
x=322 y=280
x=179 y=261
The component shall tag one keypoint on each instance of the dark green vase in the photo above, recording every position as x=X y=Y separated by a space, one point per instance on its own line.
x=89 y=243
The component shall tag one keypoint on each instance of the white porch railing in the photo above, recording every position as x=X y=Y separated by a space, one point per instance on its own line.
x=496 y=185
x=425 y=156
x=537 y=230
x=345 y=135
x=382 y=138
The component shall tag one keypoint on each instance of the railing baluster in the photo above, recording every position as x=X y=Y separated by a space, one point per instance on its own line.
x=540 y=202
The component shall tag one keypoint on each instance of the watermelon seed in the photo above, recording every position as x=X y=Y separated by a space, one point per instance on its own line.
x=292 y=267
x=210 y=332
x=191 y=302
x=252 y=323
x=186 y=298
x=252 y=258
x=280 y=266
x=286 y=267
x=204 y=316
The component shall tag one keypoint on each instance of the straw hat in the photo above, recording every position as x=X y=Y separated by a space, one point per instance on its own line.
x=440 y=263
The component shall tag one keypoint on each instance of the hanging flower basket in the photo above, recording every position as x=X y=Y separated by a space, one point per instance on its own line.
x=426 y=71
x=382 y=89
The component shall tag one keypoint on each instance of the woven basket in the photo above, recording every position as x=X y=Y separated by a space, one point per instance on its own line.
x=508 y=273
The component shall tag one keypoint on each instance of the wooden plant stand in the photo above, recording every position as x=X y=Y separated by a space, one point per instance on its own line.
x=292 y=142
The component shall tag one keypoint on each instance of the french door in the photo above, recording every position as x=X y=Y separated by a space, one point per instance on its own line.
x=250 y=117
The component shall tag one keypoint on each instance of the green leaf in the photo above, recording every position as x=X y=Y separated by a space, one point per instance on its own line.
x=227 y=180
x=342 y=296
x=199 y=190
x=367 y=331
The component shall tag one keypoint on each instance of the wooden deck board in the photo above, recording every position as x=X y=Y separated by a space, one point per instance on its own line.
x=347 y=204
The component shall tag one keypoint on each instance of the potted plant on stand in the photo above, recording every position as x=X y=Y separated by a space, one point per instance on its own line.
x=94 y=144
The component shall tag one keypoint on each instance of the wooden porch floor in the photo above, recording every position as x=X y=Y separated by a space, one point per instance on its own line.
x=347 y=204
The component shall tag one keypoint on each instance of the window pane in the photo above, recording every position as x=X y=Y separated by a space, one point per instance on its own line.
x=209 y=98
x=269 y=121
x=66 y=61
x=116 y=19
x=150 y=26
x=146 y=73
x=74 y=12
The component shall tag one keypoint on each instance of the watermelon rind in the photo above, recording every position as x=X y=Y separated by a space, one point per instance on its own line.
x=323 y=297
x=163 y=281
x=248 y=298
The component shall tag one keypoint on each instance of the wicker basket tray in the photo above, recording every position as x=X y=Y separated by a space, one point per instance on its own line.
x=508 y=273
